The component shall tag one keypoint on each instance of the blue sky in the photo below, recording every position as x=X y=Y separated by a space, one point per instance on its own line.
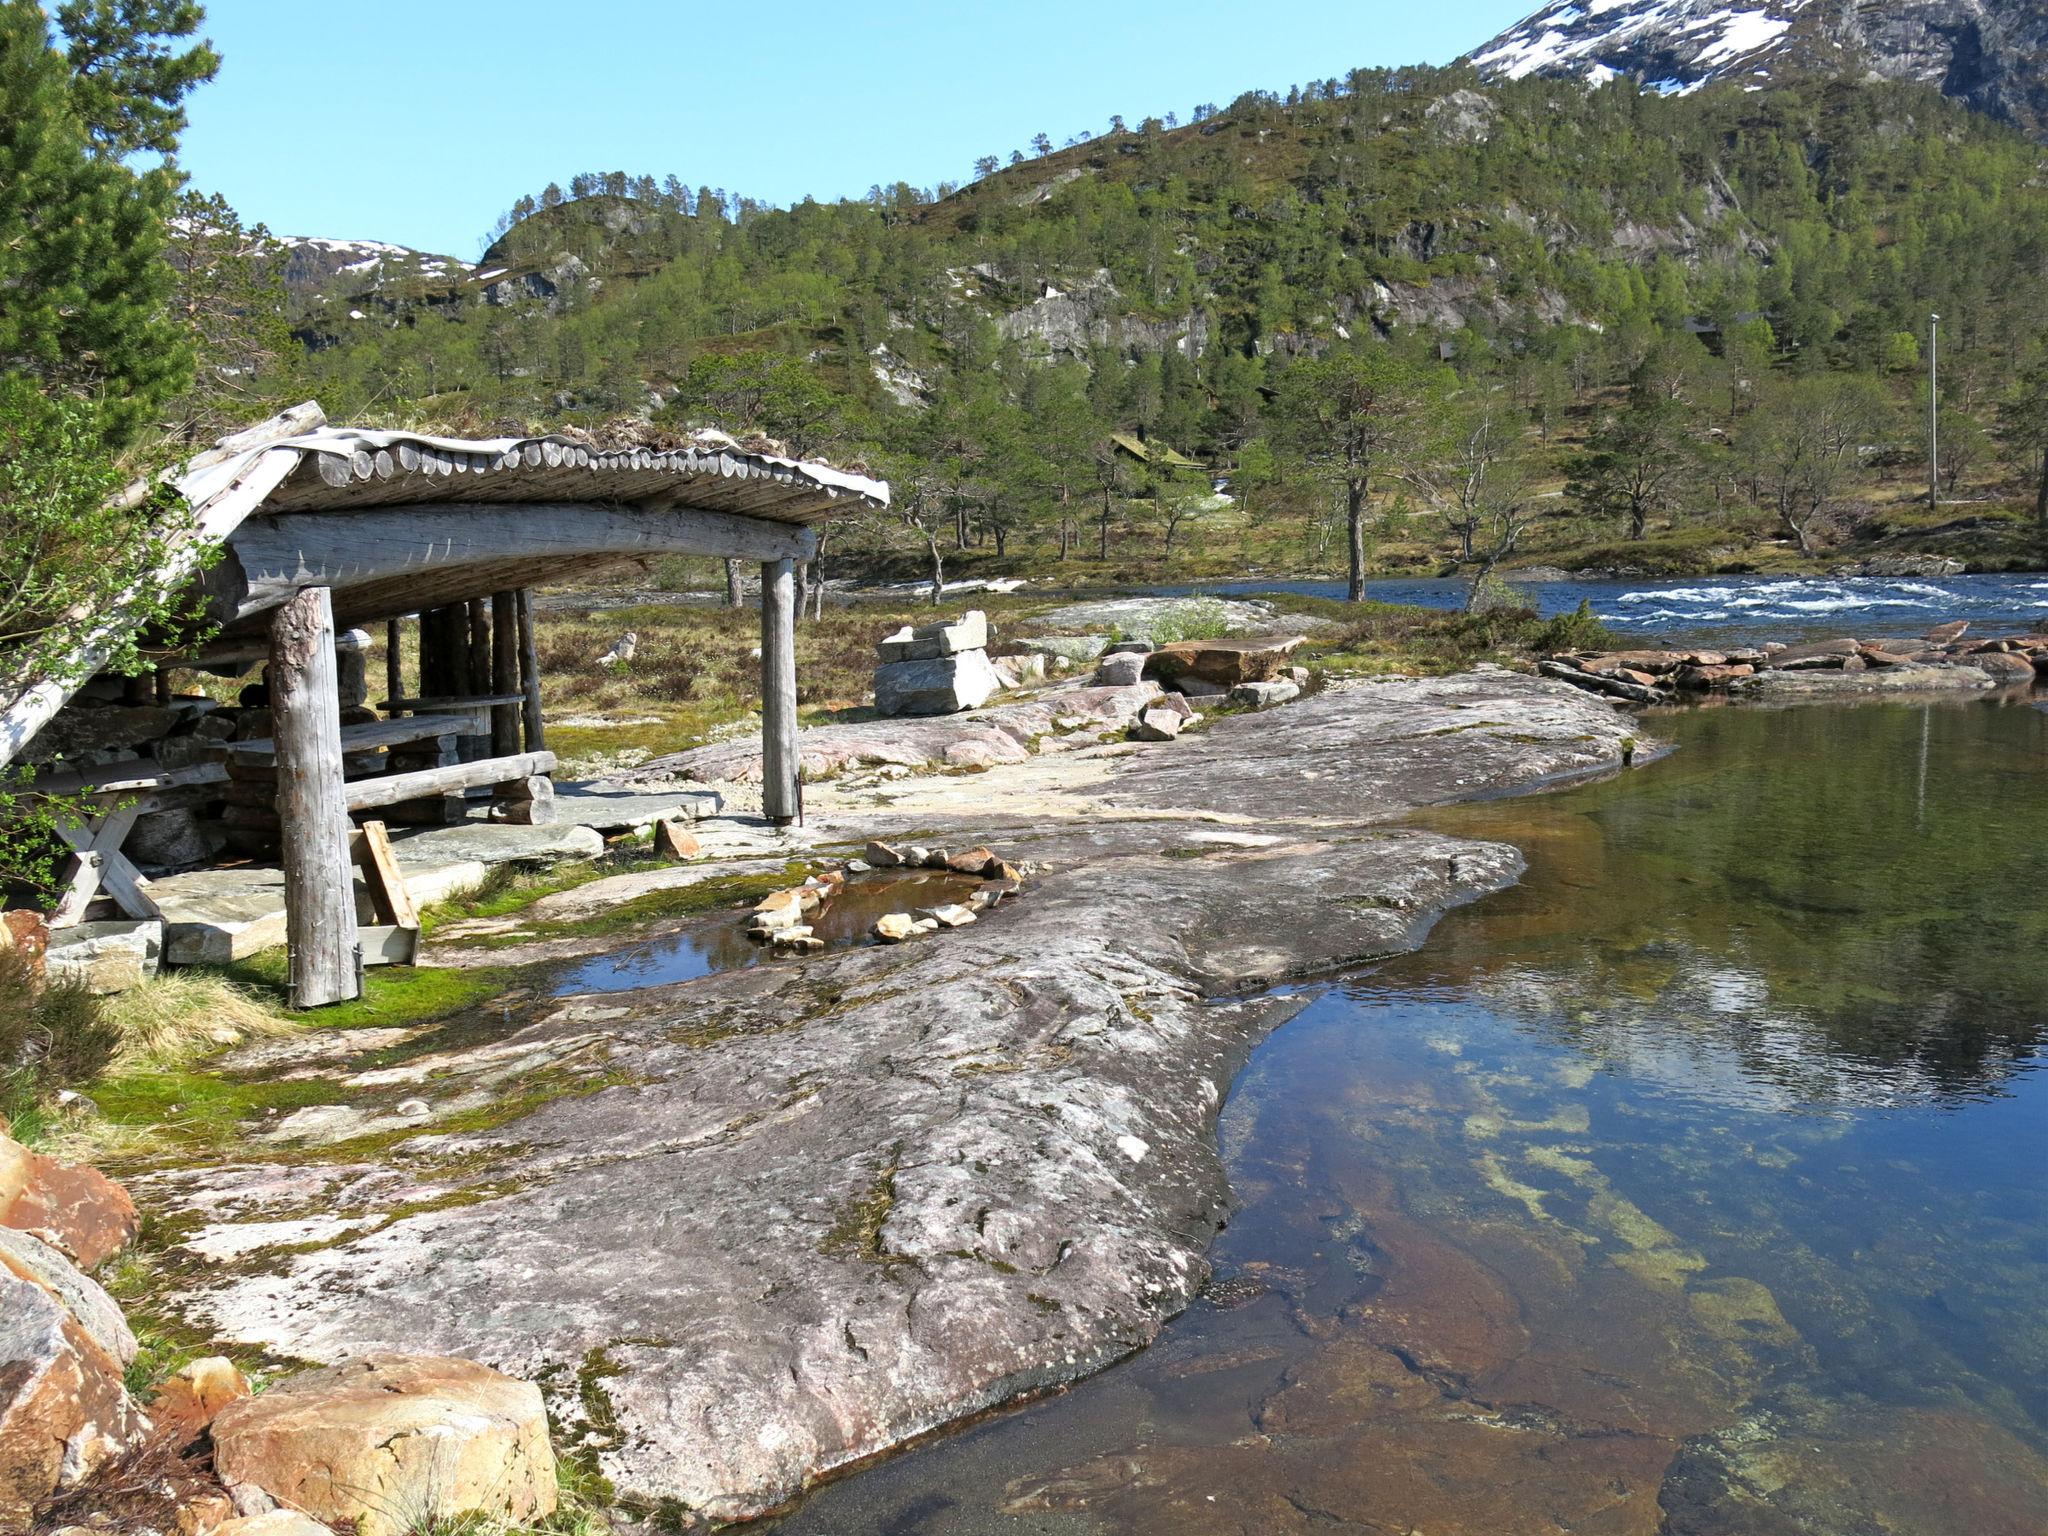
x=419 y=121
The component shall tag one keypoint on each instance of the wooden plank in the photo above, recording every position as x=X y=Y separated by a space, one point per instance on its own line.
x=466 y=705
x=275 y=555
x=529 y=675
x=368 y=736
x=140 y=776
x=392 y=788
x=389 y=944
x=388 y=895
x=394 y=657
x=781 y=796
x=319 y=888
x=505 y=673
x=29 y=710
x=81 y=880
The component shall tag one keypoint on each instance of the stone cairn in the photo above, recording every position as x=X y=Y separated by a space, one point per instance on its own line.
x=1656 y=676
x=936 y=669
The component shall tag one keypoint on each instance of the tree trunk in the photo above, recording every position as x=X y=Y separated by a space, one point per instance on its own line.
x=321 y=953
x=733 y=598
x=1105 y=524
x=931 y=543
x=1638 y=520
x=1002 y=542
x=1354 y=529
x=2041 y=494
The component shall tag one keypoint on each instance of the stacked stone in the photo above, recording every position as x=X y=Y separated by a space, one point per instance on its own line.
x=936 y=669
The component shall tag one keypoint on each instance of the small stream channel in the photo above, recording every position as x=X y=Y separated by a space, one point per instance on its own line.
x=1698 y=1184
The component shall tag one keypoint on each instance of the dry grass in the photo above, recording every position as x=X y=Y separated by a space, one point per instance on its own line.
x=179 y=1015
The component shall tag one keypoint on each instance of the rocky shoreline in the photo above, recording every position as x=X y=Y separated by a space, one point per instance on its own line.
x=1946 y=657
x=748 y=1228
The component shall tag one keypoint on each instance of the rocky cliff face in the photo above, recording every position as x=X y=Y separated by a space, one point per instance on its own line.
x=1989 y=54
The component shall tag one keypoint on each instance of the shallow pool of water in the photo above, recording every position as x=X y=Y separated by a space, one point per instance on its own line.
x=1697 y=1185
x=844 y=921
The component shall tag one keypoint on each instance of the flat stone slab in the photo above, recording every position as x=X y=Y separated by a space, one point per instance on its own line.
x=623 y=807
x=793 y=1215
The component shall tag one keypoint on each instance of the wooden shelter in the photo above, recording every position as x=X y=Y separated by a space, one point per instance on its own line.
x=326 y=528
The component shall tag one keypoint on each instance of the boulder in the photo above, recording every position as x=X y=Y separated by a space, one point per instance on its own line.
x=1878 y=656
x=165 y=841
x=393 y=1442
x=1180 y=706
x=1254 y=660
x=79 y=1211
x=1656 y=663
x=1069 y=648
x=1157 y=724
x=1201 y=688
x=1137 y=647
x=1019 y=671
x=930 y=642
x=950 y=915
x=105 y=957
x=970 y=861
x=943 y=686
x=894 y=927
x=880 y=855
x=1947 y=634
x=63 y=1350
x=1265 y=695
x=2003 y=665
x=277 y=1522
x=1702 y=679
x=80 y=728
x=193 y=1396
x=1120 y=669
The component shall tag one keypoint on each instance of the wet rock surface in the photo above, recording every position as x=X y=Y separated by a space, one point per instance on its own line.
x=778 y=1219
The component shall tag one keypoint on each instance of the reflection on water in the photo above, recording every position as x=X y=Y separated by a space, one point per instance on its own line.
x=843 y=921
x=1700 y=1184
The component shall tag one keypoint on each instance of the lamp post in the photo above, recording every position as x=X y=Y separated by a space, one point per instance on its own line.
x=1933 y=411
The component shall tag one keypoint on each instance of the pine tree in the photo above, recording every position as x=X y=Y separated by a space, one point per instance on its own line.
x=84 y=289
x=129 y=80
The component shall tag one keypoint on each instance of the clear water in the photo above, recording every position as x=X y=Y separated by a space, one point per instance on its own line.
x=1732 y=610
x=1697 y=1185
x=723 y=945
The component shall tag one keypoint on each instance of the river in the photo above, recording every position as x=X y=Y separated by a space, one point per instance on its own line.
x=1732 y=610
x=1698 y=1184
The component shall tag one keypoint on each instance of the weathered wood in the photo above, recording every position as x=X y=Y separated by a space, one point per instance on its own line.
x=479 y=646
x=140 y=776
x=395 y=787
x=528 y=802
x=505 y=673
x=81 y=882
x=366 y=737
x=529 y=675
x=388 y=944
x=401 y=551
x=319 y=890
x=389 y=898
x=100 y=845
x=394 y=657
x=781 y=796
x=219 y=511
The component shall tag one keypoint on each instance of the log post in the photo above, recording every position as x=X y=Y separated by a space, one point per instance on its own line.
x=319 y=883
x=394 y=666
x=781 y=796
x=529 y=674
x=504 y=672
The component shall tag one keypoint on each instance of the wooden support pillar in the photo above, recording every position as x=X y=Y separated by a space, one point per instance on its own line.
x=504 y=672
x=529 y=674
x=394 y=664
x=781 y=795
x=319 y=884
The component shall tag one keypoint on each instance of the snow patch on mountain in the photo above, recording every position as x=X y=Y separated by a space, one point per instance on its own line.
x=1682 y=43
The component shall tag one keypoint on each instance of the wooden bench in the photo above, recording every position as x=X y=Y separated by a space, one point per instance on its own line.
x=126 y=791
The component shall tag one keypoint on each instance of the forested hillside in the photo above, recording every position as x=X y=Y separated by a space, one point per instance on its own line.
x=1626 y=276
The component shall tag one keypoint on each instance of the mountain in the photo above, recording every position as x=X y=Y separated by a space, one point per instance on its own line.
x=1991 y=55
